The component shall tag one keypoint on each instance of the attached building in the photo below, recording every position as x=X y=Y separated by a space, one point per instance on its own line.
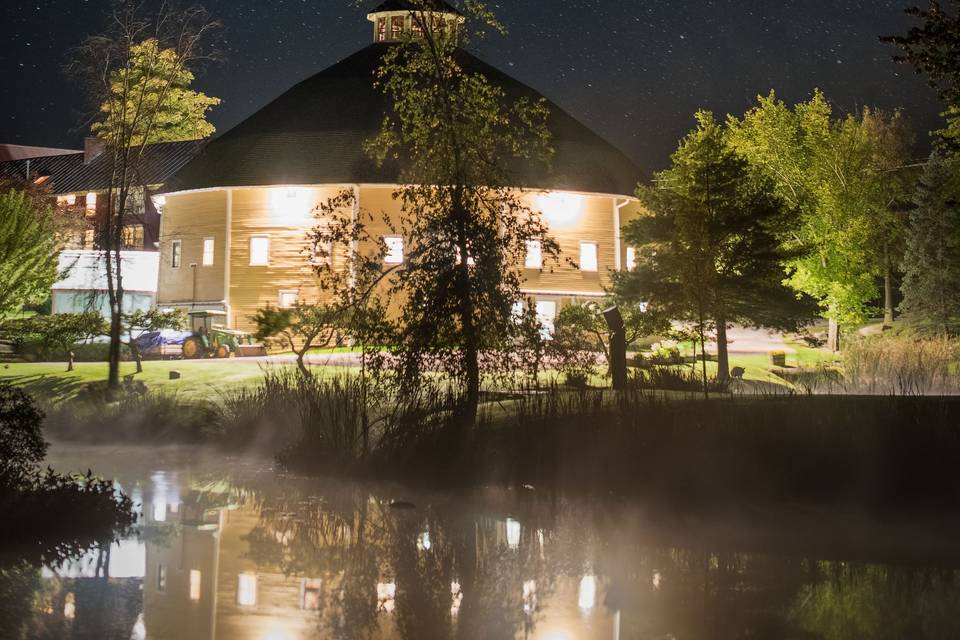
x=234 y=226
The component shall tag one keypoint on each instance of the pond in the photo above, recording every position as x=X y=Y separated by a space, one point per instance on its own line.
x=228 y=548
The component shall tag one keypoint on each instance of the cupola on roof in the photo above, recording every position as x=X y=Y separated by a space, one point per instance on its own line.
x=395 y=20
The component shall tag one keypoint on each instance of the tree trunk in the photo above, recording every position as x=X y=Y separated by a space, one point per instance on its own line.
x=302 y=365
x=116 y=328
x=833 y=336
x=888 y=312
x=70 y=360
x=723 y=356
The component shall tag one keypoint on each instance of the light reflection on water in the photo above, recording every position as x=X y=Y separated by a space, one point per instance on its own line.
x=229 y=549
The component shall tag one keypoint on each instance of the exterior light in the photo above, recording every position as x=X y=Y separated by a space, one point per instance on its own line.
x=560 y=209
x=513 y=533
x=291 y=203
x=588 y=592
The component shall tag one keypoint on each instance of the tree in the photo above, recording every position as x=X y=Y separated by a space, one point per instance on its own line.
x=465 y=223
x=824 y=169
x=56 y=334
x=301 y=328
x=154 y=80
x=933 y=49
x=709 y=252
x=893 y=180
x=29 y=251
x=137 y=74
x=584 y=325
x=931 y=263
x=139 y=323
x=22 y=447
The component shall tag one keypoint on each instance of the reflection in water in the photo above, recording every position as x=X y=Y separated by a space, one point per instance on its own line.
x=229 y=550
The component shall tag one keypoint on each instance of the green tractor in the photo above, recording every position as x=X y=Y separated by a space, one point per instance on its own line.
x=211 y=338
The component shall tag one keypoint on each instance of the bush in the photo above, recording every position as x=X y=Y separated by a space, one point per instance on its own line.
x=676 y=379
x=22 y=446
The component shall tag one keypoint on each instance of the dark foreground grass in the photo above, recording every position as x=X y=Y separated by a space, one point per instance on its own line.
x=873 y=452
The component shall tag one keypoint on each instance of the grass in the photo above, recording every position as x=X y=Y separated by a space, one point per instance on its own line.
x=202 y=379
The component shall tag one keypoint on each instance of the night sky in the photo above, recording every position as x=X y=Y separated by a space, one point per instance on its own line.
x=634 y=70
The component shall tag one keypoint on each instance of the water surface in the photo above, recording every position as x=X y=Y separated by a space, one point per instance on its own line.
x=227 y=548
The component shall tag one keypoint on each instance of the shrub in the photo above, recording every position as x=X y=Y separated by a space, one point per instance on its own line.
x=676 y=379
x=22 y=446
x=901 y=365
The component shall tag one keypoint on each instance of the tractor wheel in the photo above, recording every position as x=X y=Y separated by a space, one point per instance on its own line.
x=223 y=351
x=192 y=349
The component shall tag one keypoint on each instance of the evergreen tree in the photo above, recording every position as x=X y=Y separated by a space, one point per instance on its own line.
x=709 y=252
x=932 y=49
x=931 y=264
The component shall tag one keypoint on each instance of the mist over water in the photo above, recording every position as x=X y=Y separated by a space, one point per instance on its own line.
x=229 y=548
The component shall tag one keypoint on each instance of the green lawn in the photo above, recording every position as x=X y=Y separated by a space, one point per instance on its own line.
x=200 y=378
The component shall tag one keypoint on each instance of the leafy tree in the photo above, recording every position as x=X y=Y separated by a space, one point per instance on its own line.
x=825 y=169
x=709 y=252
x=933 y=49
x=583 y=324
x=301 y=328
x=29 y=250
x=466 y=227
x=931 y=263
x=22 y=446
x=140 y=89
x=154 y=80
x=56 y=334
x=140 y=323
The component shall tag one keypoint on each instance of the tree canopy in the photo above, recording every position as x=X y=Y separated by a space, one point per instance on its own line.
x=828 y=169
x=151 y=100
x=29 y=251
x=710 y=252
x=463 y=222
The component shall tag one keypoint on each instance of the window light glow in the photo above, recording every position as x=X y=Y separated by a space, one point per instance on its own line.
x=457 y=595
x=70 y=606
x=560 y=209
x=423 y=541
x=91 y=202
x=386 y=596
x=288 y=299
x=534 y=258
x=529 y=596
x=310 y=596
x=176 y=254
x=195 y=581
x=588 y=592
x=247 y=589
x=394 y=250
x=513 y=533
x=631 y=258
x=208 y=252
x=588 y=257
x=259 y=251
x=67 y=201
